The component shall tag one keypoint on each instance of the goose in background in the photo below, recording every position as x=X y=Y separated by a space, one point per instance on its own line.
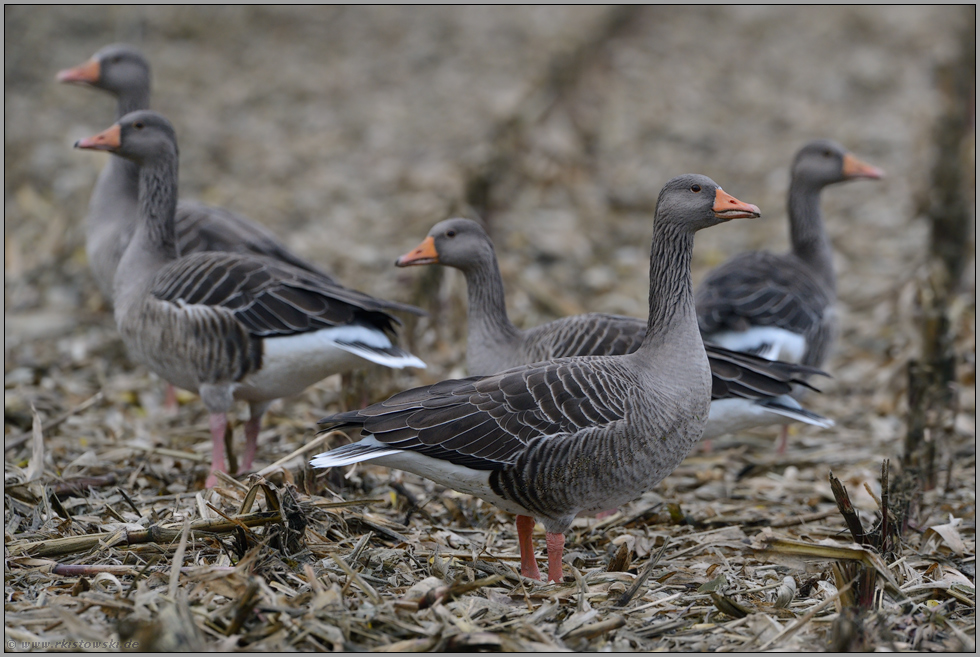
x=124 y=72
x=783 y=306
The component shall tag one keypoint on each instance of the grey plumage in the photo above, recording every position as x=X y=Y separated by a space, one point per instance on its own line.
x=229 y=325
x=794 y=292
x=572 y=435
x=124 y=72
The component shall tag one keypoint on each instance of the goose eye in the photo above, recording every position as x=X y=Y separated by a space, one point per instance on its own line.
x=138 y=125
x=695 y=188
x=827 y=154
x=450 y=233
x=116 y=59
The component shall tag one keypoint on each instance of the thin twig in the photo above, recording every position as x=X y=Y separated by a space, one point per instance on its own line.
x=884 y=507
x=626 y=597
x=341 y=505
x=152 y=534
x=356 y=577
x=847 y=510
x=179 y=559
x=595 y=629
x=316 y=442
x=361 y=544
x=244 y=607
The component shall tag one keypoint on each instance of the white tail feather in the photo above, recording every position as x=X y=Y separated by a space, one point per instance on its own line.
x=769 y=342
x=782 y=406
x=365 y=450
x=389 y=357
x=733 y=415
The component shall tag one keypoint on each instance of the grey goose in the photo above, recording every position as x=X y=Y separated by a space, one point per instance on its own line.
x=229 y=326
x=783 y=306
x=567 y=436
x=746 y=391
x=124 y=72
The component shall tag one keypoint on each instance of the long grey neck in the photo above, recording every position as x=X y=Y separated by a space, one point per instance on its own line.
x=810 y=241
x=132 y=100
x=157 y=205
x=125 y=172
x=487 y=313
x=154 y=243
x=672 y=315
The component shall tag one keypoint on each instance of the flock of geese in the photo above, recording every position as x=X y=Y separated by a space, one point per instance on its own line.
x=577 y=416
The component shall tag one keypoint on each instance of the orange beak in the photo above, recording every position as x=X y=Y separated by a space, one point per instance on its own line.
x=87 y=73
x=424 y=254
x=728 y=207
x=107 y=140
x=855 y=168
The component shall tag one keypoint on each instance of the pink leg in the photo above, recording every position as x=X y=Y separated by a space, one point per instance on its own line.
x=605 y=514
x=170 y=400
x=783 y=439
x=556 y=543
x=251 y=442
x=529 y=566
x=219 y=422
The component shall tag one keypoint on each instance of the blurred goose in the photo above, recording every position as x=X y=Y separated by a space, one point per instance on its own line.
x=124 y=72
x=783 y=306
x=746 y=391
x=230 y=326
x=574 y=435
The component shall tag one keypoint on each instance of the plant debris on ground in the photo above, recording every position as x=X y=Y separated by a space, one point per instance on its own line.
x=350 y=131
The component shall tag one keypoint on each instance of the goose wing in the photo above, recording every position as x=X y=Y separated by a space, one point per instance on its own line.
x=761 y=289
x=736 y=374
x=485 y=422
x=594 y=334
x=269 y=298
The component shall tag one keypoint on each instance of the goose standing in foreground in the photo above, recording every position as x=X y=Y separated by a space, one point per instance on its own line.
x=228 y=325
x=783 y=306
x=746 y=391
x=574 y=435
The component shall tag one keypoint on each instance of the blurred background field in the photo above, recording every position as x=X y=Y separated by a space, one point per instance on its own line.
x=350 y=131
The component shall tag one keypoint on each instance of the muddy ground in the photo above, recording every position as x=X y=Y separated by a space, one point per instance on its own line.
x=349 y=131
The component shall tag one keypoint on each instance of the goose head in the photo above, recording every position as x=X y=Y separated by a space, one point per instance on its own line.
x=139 y=136
x=458 y=243
x=823 y=162
x=692 y=202
x=118 y=69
